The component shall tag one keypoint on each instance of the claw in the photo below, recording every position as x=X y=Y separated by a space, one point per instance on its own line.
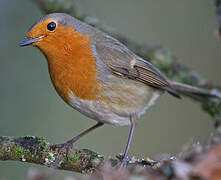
x=122 y=164
x=68 y=145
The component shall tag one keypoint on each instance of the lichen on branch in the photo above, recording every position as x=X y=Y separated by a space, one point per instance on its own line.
x=195 y=162
x=39 y=151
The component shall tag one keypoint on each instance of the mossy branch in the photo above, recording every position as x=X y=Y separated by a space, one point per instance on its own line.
x=38 y=151
x=157 y=55
x=194 y=161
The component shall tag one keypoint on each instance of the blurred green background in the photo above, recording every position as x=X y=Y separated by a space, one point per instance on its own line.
x=30 y=106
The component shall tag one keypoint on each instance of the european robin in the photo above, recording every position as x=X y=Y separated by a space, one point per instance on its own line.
x=98 y=75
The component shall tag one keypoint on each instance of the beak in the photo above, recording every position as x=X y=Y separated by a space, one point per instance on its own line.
x=30 y=41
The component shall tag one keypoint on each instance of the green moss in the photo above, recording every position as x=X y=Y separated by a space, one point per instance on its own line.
x=213 y=107
x=165 y=62
x=49 y=159
x=43 y=143
x=42 y=140
x=20 y=153
x=74 y=158
x=184 y=77
x=162 y=62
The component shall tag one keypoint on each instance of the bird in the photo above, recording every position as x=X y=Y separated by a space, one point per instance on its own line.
x=99 y=76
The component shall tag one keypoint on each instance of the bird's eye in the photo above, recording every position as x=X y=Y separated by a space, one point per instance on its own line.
x=51 y=26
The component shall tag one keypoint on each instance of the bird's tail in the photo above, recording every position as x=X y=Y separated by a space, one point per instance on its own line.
x=194 y=92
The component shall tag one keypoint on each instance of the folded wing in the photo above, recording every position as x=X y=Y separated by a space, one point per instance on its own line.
x=122 y=61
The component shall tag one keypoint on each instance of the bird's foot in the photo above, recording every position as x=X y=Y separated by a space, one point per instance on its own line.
x=65 y=146
x=123 y=162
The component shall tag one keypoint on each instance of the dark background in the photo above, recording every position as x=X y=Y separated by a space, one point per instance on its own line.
x=30 y=106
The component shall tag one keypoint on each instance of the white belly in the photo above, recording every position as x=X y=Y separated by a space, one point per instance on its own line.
x=122 y=98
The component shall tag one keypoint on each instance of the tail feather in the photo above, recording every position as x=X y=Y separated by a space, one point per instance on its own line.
x=194 y=92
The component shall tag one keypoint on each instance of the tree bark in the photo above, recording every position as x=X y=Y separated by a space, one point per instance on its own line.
x=196 y=161
x=37 y=150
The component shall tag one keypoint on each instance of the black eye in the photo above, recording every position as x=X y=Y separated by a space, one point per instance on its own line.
x=51 y=26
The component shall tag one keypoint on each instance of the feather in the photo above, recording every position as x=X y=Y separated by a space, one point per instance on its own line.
x=121 y=61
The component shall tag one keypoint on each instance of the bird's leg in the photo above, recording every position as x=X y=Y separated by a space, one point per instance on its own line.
x=133 y=118
x=69 y=144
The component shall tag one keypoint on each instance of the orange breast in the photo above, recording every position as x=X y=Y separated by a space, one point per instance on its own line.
x=72 y=65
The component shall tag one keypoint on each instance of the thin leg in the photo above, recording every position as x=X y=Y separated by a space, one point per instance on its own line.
x=69 y=144
x=133 y=118
x=85 y=132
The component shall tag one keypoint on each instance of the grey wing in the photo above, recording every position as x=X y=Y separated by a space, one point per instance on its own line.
x=122 y=61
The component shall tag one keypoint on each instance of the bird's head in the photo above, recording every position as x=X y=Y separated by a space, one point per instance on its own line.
x=56 y=33
x=67 y=46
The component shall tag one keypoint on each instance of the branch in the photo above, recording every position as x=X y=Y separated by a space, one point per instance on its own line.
x=157 y=55
x=37 y=150
x=195 y=162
